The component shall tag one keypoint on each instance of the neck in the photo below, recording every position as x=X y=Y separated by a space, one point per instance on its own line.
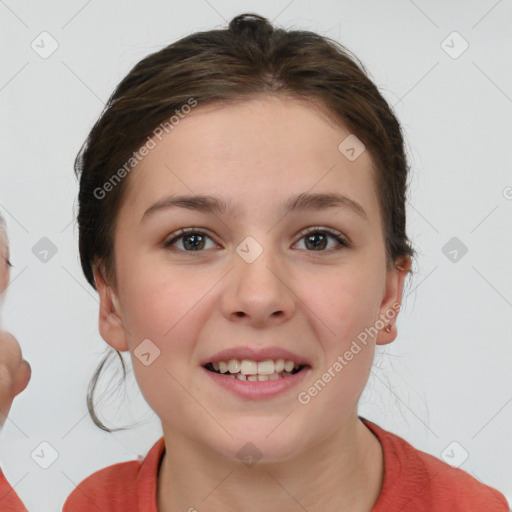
x=342 y=473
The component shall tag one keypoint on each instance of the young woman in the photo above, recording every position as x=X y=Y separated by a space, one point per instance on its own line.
x=242 y=217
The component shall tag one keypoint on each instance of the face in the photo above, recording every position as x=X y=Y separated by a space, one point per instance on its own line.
x=254 y=280
x=4 y=260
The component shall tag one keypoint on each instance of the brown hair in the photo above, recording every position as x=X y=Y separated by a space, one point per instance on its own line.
x=249 y=57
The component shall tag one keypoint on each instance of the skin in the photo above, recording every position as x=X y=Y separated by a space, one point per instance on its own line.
x=15 y=372
x=194 y=304
x=4 y=260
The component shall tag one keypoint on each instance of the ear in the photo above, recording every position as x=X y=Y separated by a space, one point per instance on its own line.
x=392 y=300
x=110 y=320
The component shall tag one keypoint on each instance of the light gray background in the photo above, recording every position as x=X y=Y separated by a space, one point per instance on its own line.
x=448 y=375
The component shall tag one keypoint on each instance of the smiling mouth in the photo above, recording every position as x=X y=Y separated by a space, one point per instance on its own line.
x=255 y=371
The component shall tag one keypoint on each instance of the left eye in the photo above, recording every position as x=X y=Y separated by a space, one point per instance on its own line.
x=316 y=239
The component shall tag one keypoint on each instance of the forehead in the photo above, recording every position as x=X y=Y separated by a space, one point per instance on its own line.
x=253 y=153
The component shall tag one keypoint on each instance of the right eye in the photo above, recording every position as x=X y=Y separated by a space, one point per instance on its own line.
x=190 y=239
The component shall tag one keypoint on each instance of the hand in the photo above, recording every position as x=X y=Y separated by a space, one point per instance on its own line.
x=15 y=372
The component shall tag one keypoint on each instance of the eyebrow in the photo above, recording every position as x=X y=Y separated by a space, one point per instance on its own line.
x=216 y=205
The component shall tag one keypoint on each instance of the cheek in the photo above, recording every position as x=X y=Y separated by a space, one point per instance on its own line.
x=151 y=296
x=162 y=304
x=159 y=319
x=153 y=307
x=347 y=310
x=344 y=302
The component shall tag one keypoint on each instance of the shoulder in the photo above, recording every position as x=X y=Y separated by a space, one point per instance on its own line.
x=111 y=486
x=452 y=486
x=9 y=500
x=418 y=481
x=121 y=487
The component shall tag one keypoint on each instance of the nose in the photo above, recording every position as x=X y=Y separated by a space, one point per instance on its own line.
x=258 y=293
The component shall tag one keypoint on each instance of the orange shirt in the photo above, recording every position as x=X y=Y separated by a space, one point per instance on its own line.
x=9 y=500
x=416 y=481
x=413 y=481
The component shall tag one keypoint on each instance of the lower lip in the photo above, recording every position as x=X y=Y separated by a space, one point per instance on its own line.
x=258 y=389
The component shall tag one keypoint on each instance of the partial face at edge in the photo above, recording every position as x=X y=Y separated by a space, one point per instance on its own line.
x=4 y=259
x=192 y=304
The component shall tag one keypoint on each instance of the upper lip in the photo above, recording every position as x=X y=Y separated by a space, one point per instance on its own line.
x=261 y=354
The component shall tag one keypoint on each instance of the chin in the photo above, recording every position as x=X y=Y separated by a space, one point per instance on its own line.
x=261 y=441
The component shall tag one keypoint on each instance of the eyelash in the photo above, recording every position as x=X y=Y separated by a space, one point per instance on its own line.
x=343 y=242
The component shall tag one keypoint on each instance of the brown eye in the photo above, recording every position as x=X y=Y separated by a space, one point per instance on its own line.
x=317 y=239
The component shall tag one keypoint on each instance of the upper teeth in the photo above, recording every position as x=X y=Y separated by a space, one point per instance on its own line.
x=250 y=367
